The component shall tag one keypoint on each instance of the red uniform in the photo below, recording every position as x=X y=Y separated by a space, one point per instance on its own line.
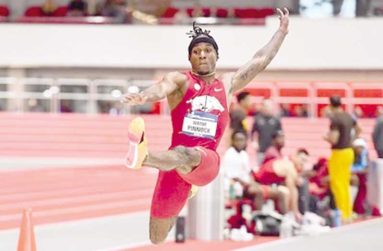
x=199 y=120
x=266 y=174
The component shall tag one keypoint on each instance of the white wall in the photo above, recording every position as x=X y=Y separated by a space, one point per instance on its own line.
x=237 y=3
x=311 y=44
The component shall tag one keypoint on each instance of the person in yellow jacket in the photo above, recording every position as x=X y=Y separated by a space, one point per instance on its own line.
x=342 y=131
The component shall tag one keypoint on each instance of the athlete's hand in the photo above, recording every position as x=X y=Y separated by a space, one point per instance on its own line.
x=134 y=99
x=284 y=19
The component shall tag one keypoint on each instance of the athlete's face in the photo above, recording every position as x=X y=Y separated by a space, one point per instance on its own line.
x=203 y=58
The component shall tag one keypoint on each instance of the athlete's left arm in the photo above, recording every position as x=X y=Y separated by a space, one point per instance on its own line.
x=263 y=57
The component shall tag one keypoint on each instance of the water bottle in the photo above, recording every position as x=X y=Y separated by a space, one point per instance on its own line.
x=231 y=192
x=336 y=218
x=180 y=229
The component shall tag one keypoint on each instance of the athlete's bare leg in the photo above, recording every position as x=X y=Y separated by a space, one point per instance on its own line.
x=159 y=229
x=181 y=158
x=281 y=195
x=184 y=159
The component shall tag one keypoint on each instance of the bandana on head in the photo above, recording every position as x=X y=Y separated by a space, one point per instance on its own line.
x=200 y=36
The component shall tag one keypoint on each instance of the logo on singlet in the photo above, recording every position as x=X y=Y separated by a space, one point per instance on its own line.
x=205 y=103
x=201 y=122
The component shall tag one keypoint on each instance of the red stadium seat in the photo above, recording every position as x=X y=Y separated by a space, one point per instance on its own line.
x=222 y=13
x=367 y=96
x=246 y=13
x=4 y=11
x=367 y=90
x=170 y=12
x=328 y=89
x=61 y=11
x=34 y=11
x=265 y=12
x=293 y=89
x=261 y=89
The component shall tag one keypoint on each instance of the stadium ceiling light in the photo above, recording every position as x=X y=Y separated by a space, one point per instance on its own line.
x=116 y=93
x=54 y=90
x=133 y=89
x=47 y=93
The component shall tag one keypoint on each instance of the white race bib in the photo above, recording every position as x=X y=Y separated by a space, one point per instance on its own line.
x=200 y=124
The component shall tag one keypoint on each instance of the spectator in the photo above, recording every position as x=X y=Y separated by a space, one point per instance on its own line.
x=35 y=106
x=65 y=106
x=238 y=114
x=116 y=109
x=77 y=8
x=284 y=172
x=362 y=7
x=337 y=7
x=181 y=17
x=325 y=112
x=48 y=7
x=300 y=111
x=275 y=150
x=115 y=9
x=238 y=177
x=265 y=125
x=342 y=156
x=236 y=164
x=359 y=173
x=304 y=111
x=377 y=135
x=358 y=112
x=285 y=110
x=318 y=185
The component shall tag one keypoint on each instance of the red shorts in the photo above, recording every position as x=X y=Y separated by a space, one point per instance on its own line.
x=172 y=188
x=266 y=174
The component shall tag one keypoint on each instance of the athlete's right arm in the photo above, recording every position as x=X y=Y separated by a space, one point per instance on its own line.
x=171 y=82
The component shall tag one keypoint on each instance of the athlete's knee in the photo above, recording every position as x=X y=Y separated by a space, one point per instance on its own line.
x=191 y=157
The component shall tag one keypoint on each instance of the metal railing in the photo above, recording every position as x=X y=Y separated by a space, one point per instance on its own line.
x=83 y=95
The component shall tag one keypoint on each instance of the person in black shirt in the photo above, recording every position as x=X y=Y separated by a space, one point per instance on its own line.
x=377 y=135
x=264 y=127
x=238 y=114
x=77 y=8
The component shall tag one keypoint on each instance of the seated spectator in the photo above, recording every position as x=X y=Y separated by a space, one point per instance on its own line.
x=358 y=112
x=114 y=8
x=236 y=164
x=238 y=179
x=275 y=150
x=181 y=17
x=77 y=8
x=285 y=110
x=319 y=180
x=319 y=199
x=116 y=109
x=48 y=7
x=35 y=106
x=65 y=106
x=285 y=172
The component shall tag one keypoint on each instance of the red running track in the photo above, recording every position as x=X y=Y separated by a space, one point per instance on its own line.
x=56 y=195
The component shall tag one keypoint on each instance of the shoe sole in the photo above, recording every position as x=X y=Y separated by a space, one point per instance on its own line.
x=137 y=147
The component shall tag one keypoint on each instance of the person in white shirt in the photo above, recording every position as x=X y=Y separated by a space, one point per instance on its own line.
x=239 y=181
x=236 y=160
